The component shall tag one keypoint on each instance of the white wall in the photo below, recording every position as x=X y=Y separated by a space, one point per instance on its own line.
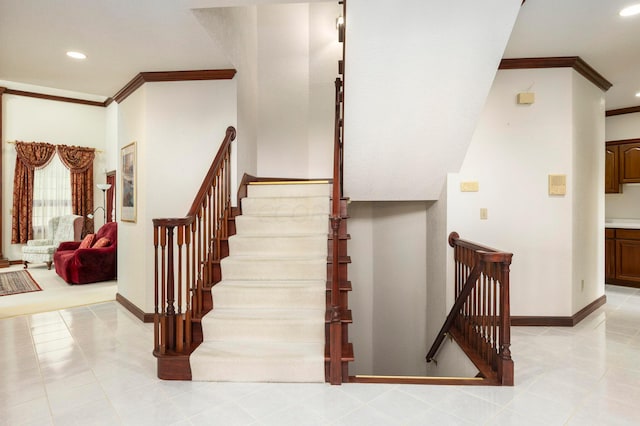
x=178 y=128
x=31 y=119
x=416 y=80
x=133 y=240
x=627 y=204
x=588 y=192
x=389 y=275
x=286 y=56
x=235 y=29
x=514 y=149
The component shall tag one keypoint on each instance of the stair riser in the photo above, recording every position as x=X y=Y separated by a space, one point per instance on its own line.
x=283 y=370
x=317 y=190
x=267 y=298
x=281 y=226
x=302 y=206
x=278 y=246
x=240 y=330
x=272 y=270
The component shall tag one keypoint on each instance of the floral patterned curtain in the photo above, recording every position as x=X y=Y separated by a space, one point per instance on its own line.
x=79 y=161
x=30 y=156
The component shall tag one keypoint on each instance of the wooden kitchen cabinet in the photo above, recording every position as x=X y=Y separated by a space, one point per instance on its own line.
x=622 y=256
x=611 y=173
x=609 y=254
x=629 y=162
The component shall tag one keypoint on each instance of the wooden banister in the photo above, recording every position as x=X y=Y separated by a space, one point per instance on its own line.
x=479 y=320
x=335 y=310
x=185 y=250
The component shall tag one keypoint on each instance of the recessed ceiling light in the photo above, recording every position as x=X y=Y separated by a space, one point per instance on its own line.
x=630 y=10
x=76 y=55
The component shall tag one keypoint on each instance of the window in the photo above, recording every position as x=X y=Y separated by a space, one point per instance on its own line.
x=51 y=195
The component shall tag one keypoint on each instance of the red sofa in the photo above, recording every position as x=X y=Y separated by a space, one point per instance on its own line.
x=88 y=265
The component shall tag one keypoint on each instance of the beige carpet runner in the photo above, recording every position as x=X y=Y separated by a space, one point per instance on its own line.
x=267 y=324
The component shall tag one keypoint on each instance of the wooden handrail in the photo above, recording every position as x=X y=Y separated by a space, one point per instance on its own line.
x=185 y=250
x=479 y=320
x=335 y=311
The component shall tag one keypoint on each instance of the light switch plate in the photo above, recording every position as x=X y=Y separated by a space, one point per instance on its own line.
x=526 y=98
x=484 y=214
x=557 y=184
x=469 y=186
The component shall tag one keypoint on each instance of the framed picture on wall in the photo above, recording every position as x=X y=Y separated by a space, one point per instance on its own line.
x=128 y=167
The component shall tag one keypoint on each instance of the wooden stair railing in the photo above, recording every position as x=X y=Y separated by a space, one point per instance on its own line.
x=187 y=251
x=479 y=320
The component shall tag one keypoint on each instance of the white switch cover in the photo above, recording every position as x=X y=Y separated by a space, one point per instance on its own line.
x=484 y=214
x=469 y=186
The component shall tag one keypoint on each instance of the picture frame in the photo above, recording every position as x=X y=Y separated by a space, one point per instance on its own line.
x=128 y=200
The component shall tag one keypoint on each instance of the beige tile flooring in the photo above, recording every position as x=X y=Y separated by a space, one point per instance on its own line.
x=92 y=365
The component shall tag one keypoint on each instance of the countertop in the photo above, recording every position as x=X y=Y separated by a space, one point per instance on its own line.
x=622 y=223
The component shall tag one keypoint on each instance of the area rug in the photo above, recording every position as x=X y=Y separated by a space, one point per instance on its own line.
x=17 y=282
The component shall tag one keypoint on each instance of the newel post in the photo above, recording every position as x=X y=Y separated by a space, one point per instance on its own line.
x=505 y=366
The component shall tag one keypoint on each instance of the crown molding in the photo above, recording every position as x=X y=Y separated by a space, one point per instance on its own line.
x=157 y=76
x=52 y=97
x=574 y=62
x=135 y=83
x=620 y=111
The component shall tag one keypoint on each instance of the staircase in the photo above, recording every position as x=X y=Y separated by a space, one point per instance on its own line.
x=267 y=324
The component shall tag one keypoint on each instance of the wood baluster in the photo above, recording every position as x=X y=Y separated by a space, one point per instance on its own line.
x=179 y=317
x=189 y=288
x=156 y=293
x=163 y=296
x=505 y=365
x=171 y=312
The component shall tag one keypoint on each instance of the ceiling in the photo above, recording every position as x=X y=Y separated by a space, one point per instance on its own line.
x=123 y=37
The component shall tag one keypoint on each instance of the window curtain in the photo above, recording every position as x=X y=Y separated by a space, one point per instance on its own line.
x=29 y=156
x=79 y=161
x=51 y=195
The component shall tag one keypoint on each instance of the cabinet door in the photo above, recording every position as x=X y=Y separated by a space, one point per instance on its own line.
x=611 y=182
x=609 y=259
x=629 y=164
x=628 y=260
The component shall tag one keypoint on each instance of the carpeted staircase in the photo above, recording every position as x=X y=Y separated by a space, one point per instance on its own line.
x=268 y=320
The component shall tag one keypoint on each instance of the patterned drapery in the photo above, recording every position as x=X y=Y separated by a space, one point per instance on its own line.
x=79 y=160
x=30 y=156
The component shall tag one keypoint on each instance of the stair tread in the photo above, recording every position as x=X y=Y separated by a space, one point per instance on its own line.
x=265 y=314
x=272 y=284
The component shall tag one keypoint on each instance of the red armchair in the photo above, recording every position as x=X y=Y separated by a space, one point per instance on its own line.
x=89 y=265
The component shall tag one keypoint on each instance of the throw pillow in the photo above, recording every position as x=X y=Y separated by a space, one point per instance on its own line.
x=87 y=241
x=102 y=242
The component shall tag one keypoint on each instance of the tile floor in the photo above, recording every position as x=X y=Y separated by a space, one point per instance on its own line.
x=93 y=366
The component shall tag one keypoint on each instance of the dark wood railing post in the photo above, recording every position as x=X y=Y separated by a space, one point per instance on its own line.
x=505 y=366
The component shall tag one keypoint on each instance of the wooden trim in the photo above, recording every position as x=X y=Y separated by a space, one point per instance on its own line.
x=53 y=97
x=622 y=283
x=522 y=321
x=574 y=62
x=622 y=141
x=591 y=307
x=420 y=380
x=137 y=312
x=620 y=111
x=157 y=76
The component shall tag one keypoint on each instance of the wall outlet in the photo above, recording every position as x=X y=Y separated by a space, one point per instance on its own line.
x=484 y=214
